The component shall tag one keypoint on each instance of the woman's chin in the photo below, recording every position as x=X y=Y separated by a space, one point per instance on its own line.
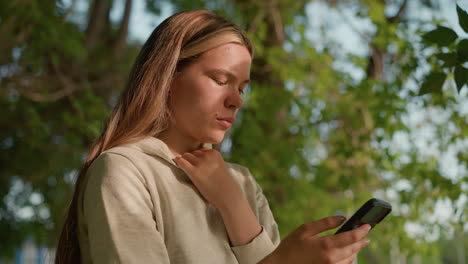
x=214 y=138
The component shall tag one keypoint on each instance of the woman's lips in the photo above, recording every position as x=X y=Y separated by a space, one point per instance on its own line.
x=225 y=122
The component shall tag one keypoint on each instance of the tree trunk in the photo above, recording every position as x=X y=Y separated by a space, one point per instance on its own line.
x=121 y=40
x=97 y=21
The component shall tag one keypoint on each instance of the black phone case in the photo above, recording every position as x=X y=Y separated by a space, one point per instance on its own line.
x=356 y=220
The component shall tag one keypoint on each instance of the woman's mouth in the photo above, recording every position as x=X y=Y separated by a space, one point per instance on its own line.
x=225 y=122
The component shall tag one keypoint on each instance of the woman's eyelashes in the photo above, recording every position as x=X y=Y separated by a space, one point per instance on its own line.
x=223 y=83
x=218 y=82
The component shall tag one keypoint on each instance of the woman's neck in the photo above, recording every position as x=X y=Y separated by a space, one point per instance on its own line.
x=179 y=143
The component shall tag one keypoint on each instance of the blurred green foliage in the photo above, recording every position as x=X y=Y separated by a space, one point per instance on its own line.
x=317 y=138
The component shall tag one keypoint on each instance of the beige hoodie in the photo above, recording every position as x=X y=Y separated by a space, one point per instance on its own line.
x=139 y=207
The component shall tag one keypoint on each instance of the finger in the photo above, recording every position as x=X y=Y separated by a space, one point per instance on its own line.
x=353 y=236
x=183 y=164
x=202 y=149
x=198 y=153
x=191 y=158
x=343 y=255
x=205 y=149
x=348 y=260
x=319 y=226
x=353 y=249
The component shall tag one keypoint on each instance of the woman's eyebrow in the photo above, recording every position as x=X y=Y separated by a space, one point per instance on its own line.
x=226 y=72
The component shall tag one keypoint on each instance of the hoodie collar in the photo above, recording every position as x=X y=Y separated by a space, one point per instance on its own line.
x=156 y=147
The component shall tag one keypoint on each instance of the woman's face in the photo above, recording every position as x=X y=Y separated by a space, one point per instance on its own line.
x=206 y=94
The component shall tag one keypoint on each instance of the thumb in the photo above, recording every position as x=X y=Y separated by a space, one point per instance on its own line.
x=324 y=224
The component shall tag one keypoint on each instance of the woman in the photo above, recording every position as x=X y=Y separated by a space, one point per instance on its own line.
x=152 y=190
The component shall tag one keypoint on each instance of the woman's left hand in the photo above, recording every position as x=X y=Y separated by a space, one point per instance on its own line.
x=208 y=172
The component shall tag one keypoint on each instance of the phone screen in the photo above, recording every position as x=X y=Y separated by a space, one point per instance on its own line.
x=375 y=214
x=372 y=212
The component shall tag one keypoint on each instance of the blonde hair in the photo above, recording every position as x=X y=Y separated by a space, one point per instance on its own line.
x=142 y=109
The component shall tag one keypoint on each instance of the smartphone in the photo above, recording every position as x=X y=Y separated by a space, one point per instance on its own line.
x=372 y=212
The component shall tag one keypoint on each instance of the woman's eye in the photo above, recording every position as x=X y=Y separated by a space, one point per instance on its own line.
x=219 y=82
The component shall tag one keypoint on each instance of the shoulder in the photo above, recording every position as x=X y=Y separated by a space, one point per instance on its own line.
x=237 y=167
x=111 y=164
x=124 y=151
x=117 y=156
x=239 y=170
x=128 y=157
x=243 y=176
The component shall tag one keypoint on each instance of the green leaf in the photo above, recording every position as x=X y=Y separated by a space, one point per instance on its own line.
x=55 y=58
x=462 y=51
x=433 y=83
x=378 y=12
x=441 y=36
x=462 y=19
x=461 y=77
x=449 y=59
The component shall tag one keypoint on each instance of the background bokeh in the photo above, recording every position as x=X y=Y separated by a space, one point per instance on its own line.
x=349 y=99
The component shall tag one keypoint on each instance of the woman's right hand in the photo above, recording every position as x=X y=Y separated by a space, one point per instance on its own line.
x=304 y=246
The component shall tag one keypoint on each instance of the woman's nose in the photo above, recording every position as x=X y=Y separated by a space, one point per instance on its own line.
x=234 y=100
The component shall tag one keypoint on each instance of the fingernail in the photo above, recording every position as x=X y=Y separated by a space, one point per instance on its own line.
x=368 y=227
x=340 y=218
x=367 y=241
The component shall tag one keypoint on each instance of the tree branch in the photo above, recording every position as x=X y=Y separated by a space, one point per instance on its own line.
x=40 y=97
x=397 y=17
x=375 y=66
x=121 y=39
x=277 y=21
x=25 y=85
x=257 y=20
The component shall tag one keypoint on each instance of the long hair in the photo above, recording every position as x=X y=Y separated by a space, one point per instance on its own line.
x=142 y=109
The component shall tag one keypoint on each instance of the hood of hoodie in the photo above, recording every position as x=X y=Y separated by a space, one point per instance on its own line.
x=156 y=147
